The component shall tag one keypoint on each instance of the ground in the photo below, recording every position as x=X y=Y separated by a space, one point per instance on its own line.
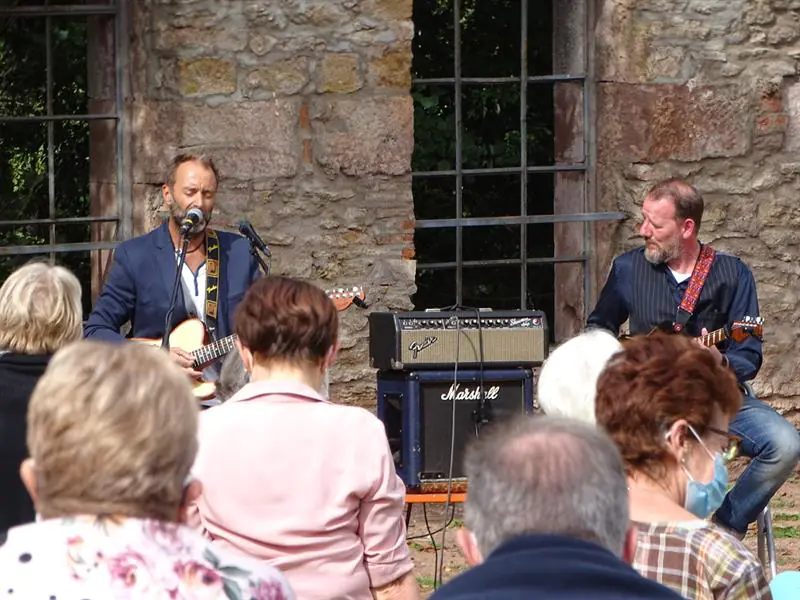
x=785 y=510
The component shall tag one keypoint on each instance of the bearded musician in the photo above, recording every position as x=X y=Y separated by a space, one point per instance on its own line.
x=219 y=268
x=676 y=279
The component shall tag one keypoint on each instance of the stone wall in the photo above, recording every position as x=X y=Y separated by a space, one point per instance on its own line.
x=708 y=90
x=305 y=106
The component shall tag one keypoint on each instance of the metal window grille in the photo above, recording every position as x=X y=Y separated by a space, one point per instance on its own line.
x=123 y=217
x=459 y=222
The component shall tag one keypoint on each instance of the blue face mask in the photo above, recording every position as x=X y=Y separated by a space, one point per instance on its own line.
x=702 y=499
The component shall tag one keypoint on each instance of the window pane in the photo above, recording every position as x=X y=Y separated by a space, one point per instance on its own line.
x=80 y=264
x=491 y=195
x=434 y=128
x=71 y=140
x=490 y=38
x=491 y=134
x=491 y=242
x=433 y=39
x=22 y=67
x=492 y=287
x=434 y=197
x=540 y=241
x=69 y=43
x=540 y=113
x=435 y=288
x=23 y=171
x=540 y=37
x=435 y=245
x=540 y=291
x=540 y=193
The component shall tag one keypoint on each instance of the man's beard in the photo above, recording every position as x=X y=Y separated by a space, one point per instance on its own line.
x=178 y=215
x=659 y=255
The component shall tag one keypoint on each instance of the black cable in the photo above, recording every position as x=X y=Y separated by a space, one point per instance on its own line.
x=449 y=522
x=433 y=542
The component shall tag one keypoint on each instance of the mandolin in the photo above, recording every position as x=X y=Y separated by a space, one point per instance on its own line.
x=738 y=331
x=192 y=336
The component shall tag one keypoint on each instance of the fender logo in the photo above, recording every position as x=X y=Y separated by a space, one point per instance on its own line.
x=417 y=347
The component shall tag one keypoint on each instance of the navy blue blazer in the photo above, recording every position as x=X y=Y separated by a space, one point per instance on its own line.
x=141 y=279
x=552 y=567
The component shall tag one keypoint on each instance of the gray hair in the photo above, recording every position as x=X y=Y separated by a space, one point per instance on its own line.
x=567 y=384
x=546 y=475
x=232 y=376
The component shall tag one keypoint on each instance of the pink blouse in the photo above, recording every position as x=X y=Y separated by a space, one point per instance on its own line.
x=307 y=486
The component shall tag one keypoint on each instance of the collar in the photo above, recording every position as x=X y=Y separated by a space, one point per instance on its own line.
x=259 y=389
x=548 y=543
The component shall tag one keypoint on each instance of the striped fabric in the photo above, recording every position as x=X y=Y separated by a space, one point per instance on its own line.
x=699 y=561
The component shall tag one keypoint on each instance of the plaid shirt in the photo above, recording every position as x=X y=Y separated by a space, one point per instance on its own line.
x=699 y=561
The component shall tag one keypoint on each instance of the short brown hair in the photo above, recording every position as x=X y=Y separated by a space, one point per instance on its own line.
x=287 y=319
x=184 y=157
x=112 y=429
x=687 y=200
x=656 y=380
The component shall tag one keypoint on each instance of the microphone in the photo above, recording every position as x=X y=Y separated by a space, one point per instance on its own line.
x=192 y=218
x=246 y=229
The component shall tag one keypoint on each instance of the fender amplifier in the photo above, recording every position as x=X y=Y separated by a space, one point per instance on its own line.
x=439 y=339
x=419 y=408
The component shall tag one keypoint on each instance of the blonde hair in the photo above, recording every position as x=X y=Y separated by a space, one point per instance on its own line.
x=112 y=429
x=40 y=309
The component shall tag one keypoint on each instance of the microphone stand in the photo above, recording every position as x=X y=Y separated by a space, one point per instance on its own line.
x=259 y=259
x=175 y=286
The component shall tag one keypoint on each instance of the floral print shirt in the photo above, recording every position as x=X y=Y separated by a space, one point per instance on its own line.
x=94 y=558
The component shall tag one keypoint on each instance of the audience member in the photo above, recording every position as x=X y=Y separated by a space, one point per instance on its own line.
x=568 y=379
x=547 y=517
x=667 y=402
x=40 y=311
x=112 y=432
x=303 y=484
x=232 y=377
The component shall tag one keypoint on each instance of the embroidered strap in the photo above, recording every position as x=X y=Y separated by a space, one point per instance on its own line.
x=212 y=280
x=696 y=283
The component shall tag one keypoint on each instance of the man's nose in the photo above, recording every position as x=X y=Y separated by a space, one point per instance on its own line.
x=644 y=230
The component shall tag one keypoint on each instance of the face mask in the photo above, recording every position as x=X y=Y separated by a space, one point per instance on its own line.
x=702 y=499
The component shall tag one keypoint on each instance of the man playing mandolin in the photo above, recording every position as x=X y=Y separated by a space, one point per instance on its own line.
x=674 y=279
x=218 y=271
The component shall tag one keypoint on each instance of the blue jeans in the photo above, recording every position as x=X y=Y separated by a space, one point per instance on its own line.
x=774 y=445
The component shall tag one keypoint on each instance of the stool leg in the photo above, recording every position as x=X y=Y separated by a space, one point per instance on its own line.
x=766 y=543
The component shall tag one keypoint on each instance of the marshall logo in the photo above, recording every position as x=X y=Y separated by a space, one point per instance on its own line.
x=417 y=347
x=456 y=392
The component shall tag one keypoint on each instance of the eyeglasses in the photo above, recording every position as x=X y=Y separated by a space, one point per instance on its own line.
x=731 y=451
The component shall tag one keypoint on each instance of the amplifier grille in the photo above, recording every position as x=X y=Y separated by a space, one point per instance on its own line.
x=499 y=346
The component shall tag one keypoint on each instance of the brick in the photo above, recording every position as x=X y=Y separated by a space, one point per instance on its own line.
x=283 y=78
x=338 y=73
x=650 y=123
x=392 y=70
x=206 y=76
x=364 y=136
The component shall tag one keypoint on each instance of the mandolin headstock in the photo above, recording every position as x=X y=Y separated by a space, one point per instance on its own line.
x=747 y=327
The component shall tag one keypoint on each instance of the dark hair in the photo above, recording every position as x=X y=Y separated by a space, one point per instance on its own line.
x=656 y=380
x=687 y=200
x=287 y=319
x=184 y=157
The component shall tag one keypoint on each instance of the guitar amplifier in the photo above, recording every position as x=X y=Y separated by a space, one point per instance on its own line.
x=418 y=409
x=438 y=339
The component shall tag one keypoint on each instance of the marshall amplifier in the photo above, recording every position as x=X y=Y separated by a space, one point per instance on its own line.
x=439 y=339
x=416 y=407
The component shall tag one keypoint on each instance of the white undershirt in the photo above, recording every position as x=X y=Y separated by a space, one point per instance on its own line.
x=680 y=277
x=195 y=286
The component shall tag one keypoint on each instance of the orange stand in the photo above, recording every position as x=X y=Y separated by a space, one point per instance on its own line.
x=427 y=498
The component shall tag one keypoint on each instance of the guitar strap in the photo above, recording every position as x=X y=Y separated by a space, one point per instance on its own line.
x=212 y=281
x=696 y=283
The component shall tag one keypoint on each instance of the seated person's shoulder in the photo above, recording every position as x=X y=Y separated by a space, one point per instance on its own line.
x=254 y=578
x=726 y=557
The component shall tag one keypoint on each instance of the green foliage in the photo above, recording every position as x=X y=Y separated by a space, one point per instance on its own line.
x=24 y=174
x=491 y=138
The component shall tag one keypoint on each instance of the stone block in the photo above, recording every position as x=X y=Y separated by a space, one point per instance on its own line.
x=650 y=123
x=169 y=38
x=261 y=44
x=389 y=10
x=364 y=136
x=282 y=78
x=791 y=104
x=338 y=73
x=392 y=70
x=206 y=76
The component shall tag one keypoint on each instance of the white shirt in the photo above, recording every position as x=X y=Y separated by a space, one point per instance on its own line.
x=680 y=277
x=194 y=285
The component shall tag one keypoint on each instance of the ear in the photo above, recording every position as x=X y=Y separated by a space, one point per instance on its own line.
x=166 y=194
x=330 y=356
x=469 y=546
x=689 y=228
x=191 y=495
x=676 y=439
x=629 y=546
x=246 y=356
x=27 y=472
